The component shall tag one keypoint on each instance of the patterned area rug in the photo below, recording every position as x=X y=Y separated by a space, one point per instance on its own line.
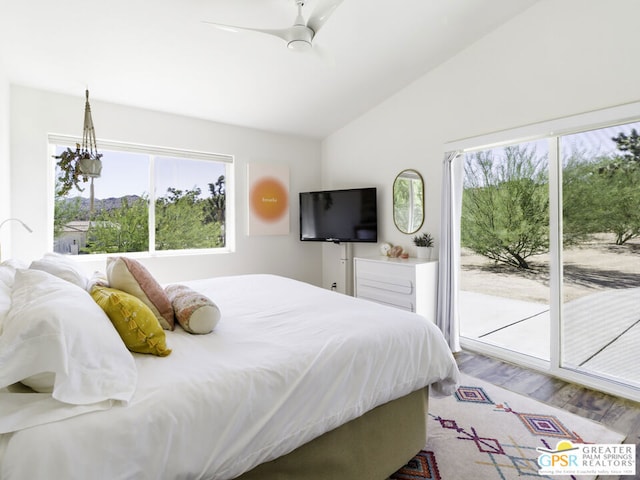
x=486 y=432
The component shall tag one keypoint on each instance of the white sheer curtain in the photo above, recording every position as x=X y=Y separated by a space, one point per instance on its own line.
x=449 y=269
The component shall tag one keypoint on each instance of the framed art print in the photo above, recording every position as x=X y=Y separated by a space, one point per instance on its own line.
x=268 y=188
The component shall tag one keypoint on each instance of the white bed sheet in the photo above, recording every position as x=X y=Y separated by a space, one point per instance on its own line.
x=287 y=362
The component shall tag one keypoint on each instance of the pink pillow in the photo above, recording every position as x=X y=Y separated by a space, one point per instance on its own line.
x=132 y=277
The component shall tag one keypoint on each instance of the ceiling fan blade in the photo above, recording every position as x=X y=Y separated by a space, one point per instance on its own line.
x=324 y=56
x=282 y=33
x=322 y=13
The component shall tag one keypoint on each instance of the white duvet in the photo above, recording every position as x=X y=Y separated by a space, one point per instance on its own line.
x=287 y=362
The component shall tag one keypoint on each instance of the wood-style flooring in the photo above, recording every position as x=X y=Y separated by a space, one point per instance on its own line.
x=617 y=413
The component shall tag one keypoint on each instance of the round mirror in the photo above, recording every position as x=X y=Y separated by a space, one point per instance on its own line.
x=408 y=201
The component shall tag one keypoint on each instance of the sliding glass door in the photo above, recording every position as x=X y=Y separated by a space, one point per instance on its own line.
x=550 y=254
x=600 y=318
x=504 y=291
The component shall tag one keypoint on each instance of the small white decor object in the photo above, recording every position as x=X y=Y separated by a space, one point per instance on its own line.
x=384 y=248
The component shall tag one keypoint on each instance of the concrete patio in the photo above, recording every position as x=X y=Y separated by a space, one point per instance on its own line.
x=601 y=331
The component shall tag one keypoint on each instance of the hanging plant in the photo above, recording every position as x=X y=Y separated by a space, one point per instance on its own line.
x=83 y=163
x=77 y=166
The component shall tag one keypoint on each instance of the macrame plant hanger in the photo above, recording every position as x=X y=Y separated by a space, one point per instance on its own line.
x=90 y=164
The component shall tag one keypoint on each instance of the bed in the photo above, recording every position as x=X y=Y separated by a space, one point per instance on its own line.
x=294 y=382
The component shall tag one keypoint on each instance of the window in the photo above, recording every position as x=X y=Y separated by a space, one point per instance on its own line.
x=186 y=189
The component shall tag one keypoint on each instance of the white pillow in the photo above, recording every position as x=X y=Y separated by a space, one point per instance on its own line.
x=6 y=276
x=5 y=302
x=56 y=336
x=98 y=279
x=7 y=273
x=62 y=267
x=8 y=270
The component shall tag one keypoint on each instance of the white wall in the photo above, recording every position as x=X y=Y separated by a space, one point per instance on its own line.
x=5 y=180
x=36 y=113
x=559 y=58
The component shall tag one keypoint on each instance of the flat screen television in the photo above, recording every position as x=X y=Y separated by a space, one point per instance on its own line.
x=339 y=215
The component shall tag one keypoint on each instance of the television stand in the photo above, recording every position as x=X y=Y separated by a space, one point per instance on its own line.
x=346 y=267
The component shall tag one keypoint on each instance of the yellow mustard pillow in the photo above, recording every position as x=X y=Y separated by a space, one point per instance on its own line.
x=135 y=322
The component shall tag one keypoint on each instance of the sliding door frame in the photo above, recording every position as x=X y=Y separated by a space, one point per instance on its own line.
x=552 y=130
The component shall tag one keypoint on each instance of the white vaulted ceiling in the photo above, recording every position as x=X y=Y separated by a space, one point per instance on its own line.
x=160 y=55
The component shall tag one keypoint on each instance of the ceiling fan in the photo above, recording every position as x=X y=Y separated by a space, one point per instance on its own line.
x=301 y=34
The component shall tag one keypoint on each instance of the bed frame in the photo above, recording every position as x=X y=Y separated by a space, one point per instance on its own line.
x=370 y=447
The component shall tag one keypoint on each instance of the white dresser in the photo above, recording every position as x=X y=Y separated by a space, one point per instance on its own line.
x=410 y=284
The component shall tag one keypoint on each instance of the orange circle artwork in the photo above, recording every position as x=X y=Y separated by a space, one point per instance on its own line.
x=269 y=199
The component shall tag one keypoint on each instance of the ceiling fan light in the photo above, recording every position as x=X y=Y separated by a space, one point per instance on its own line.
x=299 y=45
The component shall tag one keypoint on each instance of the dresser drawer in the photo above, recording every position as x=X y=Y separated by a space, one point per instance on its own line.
x=405 y=286
x=384 y=270
x=408 y=284
x=386 y=297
